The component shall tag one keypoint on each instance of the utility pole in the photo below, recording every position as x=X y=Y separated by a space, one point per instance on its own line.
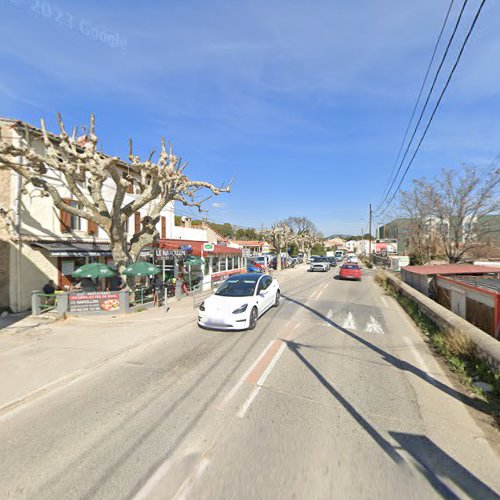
x=370 y=234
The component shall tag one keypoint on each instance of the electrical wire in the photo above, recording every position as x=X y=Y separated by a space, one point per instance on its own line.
x=438 y=102
x=424 y=108
x=429 y=66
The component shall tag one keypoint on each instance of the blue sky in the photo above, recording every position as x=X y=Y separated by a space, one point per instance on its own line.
x=303 y=103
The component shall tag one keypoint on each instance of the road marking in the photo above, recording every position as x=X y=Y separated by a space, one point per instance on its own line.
x=253 y=367
x=374 y=326
x=261 y=381
x=191 y=481
x=263 y=364
x=349 y=321
x=323 y=288
x=152 y=483
x=238 y=384
x=384 y=301
x=417 y=354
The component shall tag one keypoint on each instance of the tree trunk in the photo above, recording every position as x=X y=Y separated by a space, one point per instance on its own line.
x=278 y=258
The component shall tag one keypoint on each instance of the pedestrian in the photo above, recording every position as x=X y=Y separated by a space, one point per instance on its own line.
x=49 y=288
x=116 y=283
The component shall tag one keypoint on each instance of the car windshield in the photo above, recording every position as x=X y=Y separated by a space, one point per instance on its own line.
x=351 y=266
x=237 y=288
x=321 y=259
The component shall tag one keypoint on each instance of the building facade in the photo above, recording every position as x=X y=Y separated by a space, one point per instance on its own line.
x=39 y=242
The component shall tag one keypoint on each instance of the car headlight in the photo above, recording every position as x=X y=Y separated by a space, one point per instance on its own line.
x=202 y=306
x=241 y=309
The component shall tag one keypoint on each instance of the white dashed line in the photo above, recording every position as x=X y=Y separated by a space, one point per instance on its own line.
x=261 y=381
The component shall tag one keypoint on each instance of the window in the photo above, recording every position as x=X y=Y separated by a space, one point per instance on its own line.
x=75 y=221
x=215 y=264
x=230 y=263
x=223 y=263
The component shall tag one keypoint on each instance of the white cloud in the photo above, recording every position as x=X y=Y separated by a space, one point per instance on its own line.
x=218 y=205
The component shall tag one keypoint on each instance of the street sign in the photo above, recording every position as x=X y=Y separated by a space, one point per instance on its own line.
x=208 y=247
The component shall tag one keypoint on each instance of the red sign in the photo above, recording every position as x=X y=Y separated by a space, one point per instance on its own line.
x=94 y=301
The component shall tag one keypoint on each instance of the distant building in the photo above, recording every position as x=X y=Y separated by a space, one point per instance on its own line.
x=252 y=247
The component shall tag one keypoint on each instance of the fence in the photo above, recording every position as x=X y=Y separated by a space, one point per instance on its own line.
x=42 y=302
x=487 y=347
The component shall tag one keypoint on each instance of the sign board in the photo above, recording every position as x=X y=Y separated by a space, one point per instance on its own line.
x=245 y=252
x=94 y=302
x=208 y=247
x=164 y=253
x=67 y=266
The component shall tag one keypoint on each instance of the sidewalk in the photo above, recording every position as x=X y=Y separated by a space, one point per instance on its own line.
x=38 y=355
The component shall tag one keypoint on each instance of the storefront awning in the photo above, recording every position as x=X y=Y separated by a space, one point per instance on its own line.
x=178 y=247
x=61 y=249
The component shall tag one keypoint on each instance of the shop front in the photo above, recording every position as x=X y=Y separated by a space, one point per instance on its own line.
x=212 y=266
x=70 y=256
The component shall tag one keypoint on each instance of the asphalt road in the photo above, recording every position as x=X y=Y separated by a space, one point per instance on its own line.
x=333 y=395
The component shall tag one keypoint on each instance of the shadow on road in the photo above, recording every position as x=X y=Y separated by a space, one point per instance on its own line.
x=435 y=464
x=432 y=462
x=395 y=361
x=377 y=437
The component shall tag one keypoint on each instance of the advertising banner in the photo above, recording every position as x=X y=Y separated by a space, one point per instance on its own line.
x=94 y=302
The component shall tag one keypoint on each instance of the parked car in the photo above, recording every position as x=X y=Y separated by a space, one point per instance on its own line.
x=332 y=261
x=254 y=267
x=319 y=264
x=239 y=302
x=350 y=271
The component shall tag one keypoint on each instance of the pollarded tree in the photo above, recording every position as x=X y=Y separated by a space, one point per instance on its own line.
x=279 y=235
x=305 y=234
x=465 y=203
x=155 y=183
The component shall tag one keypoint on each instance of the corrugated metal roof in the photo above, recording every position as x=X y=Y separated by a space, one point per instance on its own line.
x=445 y=269
x=492 y=284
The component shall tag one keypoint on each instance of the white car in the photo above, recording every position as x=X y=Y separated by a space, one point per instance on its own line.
x=239 y=302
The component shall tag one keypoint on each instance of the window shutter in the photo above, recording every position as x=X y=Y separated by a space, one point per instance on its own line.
x=163 y=227
x=91 y=228
x=65 y=219
x=137 y=222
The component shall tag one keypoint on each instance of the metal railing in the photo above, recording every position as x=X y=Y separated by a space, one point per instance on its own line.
x=42 y=302
x=142 y=295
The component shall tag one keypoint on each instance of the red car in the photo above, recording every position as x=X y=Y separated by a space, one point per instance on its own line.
x=350 y=271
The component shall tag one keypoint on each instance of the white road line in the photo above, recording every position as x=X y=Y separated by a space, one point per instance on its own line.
x=191 y=481
x=417 y=355
x=384 y=301
x=153 y=481
x=373 y=326
x=248 y=402
x=261 y=381
x=238 y=384
x=349 y=321
x=323 y=288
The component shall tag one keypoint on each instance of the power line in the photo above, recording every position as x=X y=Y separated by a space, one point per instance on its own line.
x=462 y=48
x=416 y=103
x=445 y=54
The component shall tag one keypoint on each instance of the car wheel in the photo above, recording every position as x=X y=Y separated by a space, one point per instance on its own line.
x=254 y=315
x=277 y=299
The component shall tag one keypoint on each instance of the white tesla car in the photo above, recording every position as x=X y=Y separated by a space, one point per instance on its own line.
x=239 y=302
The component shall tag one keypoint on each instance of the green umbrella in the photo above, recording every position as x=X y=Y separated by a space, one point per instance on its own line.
x=141 y=269
x=94 y=270
x=193 y=260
